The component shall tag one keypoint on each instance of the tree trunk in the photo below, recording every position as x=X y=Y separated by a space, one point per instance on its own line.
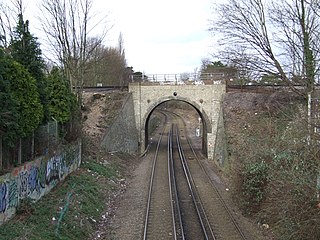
x=308 y=54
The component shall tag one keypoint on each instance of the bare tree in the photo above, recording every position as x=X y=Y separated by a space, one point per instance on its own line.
x=122 y=63
x=68 y=25
x=106 y=65
x=280 y=37
x=8 y=18
x=4 y=25
x=94 y=65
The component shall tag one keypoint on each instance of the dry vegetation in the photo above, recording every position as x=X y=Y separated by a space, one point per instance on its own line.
x=99 y=111
x=272 y=167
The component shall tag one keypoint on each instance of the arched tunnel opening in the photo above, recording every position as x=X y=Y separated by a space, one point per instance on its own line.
x=195 y=121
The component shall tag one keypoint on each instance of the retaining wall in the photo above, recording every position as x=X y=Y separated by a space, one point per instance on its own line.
x=220 y=149
x=122 y=135
x=35 y=179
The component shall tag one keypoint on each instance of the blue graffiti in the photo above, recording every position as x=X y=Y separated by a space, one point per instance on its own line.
x=33 y=180
x=13 y=194
x=53 y=169
x=23 y=184
x=42 y=174
x=3 y=195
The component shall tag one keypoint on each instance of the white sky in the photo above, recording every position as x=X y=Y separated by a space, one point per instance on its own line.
x=167 y=36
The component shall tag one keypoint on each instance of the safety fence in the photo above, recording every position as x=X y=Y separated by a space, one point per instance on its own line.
x=43 y=141
x=180 y=79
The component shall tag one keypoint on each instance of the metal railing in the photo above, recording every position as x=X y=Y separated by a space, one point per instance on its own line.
x=180 y=79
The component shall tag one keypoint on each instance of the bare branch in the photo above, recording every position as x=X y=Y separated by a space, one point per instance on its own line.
x=66 y=24
x=281 y=37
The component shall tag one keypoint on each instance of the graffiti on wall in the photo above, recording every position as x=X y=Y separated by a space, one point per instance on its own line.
x=12 y=194
x=3 y=195
x=34 y=179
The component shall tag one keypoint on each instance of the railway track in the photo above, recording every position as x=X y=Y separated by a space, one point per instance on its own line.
x=183 y=203
x=158 y=218
x=222 y=222
x=195 y=221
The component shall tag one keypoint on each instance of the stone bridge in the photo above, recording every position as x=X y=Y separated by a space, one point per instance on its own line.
x=205 y=98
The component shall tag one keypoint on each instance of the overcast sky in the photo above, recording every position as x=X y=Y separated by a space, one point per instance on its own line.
x=167 y=36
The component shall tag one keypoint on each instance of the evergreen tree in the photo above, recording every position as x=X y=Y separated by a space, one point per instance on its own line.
x=21 y=111
x=25 y=49
x=8 y=109
x=60 y=97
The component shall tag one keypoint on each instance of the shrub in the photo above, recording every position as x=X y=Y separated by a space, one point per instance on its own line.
x=255 y=180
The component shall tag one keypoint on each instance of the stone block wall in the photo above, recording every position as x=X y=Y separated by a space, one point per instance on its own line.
x=207 y=99
x=122 y=135
x=36 y=178
x=220 y=153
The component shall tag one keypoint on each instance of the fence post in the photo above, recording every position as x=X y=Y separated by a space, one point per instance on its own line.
x=48 y=137
x=1 y=164
x=20 y=151
x=56 y=127
x=32 y=145
x=309 y=118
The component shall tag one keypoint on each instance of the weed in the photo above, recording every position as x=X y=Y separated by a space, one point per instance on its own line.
x=101 y=169
x=274 y=169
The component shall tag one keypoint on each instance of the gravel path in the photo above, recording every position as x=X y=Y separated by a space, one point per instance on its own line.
x=127 y=222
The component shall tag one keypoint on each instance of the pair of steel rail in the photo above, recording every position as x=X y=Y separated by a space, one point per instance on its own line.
x=178 y=229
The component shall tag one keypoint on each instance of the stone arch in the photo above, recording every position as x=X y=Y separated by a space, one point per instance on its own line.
x=207 y=126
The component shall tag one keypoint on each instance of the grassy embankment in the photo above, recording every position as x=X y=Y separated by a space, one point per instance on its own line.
x=72 y=209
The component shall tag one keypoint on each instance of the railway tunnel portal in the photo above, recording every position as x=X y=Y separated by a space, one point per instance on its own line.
x=206 y=99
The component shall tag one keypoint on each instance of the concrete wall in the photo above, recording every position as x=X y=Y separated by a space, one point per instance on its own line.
x=35 y=179
x=122 y=135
